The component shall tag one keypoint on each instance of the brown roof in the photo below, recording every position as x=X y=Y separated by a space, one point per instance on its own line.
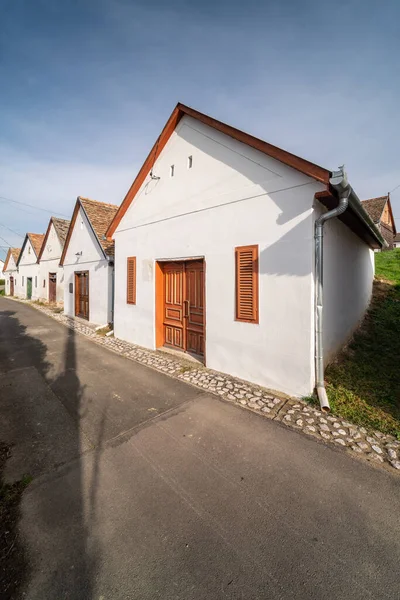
x=374 y=207
x=100 y=216
x=397 y=238
x=61 y=226
x=36 y=240
x=14 y=252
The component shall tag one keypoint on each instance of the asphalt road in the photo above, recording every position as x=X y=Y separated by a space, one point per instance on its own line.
x=145 y=488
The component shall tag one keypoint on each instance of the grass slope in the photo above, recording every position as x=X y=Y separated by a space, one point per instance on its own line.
x=363 y=384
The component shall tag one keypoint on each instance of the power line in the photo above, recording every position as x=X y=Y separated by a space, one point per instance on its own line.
x=8 y=243
x=12 y=230
x=52 y=212
x=395 y=188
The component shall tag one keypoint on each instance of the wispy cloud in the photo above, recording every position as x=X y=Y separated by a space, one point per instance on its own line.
x=90 y=84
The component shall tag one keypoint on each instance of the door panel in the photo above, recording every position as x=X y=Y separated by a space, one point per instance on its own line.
x=52 y=287
x=173 y=305
x=11 y=286
x=82 y=294
x=195 y=298
x=183 y=306
x=29 y=288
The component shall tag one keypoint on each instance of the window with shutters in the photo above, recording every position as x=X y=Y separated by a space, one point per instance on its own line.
x=246 y=258
x=131 y=280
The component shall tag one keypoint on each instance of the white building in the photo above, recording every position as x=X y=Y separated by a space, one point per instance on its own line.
x=88 y=263
x=28 y=268
x=214 y=255
x=10 y=271
x=51 y=275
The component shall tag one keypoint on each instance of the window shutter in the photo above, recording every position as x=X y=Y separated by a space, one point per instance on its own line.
x=131 y=280
x=247 y=283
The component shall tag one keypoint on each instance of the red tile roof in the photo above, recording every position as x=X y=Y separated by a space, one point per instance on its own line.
x=36 y=240
x=14 y=252
x=61 y=226
x=375 y=206
x=100 y=216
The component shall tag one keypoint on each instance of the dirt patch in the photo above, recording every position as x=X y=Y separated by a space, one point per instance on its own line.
x=13 y=563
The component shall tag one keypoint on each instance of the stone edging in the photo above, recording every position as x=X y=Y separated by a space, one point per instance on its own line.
x=374 y=446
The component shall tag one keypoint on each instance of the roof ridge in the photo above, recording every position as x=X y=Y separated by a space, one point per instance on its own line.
x=81 y=198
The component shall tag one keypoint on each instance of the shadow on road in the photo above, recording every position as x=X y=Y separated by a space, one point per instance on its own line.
x=19 y=352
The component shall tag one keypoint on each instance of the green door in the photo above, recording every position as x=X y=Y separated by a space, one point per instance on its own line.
x=29 y=288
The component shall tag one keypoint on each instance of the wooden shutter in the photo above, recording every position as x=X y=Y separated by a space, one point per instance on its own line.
x=131 y=280
x=246 y=258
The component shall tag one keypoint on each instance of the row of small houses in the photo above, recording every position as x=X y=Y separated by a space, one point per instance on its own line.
x=216 y=251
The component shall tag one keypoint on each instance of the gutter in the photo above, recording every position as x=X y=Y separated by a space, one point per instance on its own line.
x=347 y=199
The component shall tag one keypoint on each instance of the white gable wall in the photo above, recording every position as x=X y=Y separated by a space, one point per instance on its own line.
x=349 y=266
x=84 y=241
x=232 y=196
x=50 y=263
x=10 y=272
x=28 y=267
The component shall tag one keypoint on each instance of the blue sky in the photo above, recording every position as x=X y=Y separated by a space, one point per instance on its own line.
x=86 y=86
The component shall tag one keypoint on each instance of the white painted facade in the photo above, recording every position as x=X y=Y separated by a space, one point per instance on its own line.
x=50 y=263
x=28 y=268
x=232 y=196
x=11 y=271
x=349 y=267
x=84 y=253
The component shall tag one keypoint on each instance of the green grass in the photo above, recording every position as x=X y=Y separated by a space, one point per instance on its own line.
x=363 y=384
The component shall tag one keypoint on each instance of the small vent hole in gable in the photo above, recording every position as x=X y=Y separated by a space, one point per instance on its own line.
x=172 y=170
x=190 y=162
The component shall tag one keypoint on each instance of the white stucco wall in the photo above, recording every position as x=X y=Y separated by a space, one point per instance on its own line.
x=27 y=267
x=10 y=272
x=348 y=278
x=49 y=263
x=100 y=273
x=232 y=196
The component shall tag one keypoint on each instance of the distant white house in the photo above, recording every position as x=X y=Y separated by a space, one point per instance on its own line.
x=28 y=268
x=88 y=263
x=2 y=286
x=396 y=241
x=11 y=271
x=51 y=275
x=215 y=254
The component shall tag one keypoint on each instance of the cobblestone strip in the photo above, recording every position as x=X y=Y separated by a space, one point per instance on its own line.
x=375 y=446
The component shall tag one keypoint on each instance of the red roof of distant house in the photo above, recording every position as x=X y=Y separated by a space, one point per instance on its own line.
x=100 y=216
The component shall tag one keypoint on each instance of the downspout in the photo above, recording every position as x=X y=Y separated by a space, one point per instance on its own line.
x=340 y=183
x=112 y=265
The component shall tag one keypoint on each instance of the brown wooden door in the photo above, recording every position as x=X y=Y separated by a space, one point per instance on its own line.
x=194 y=307
x=52 y=287
x=174 y=327
x=82 y=294
x=11 y=286
x=183 y=307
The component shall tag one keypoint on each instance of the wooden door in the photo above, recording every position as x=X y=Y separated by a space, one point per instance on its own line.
x=194 y=307
x=52 y=287
x=183 y=306
x=173 y=320
x=82 y=294
x=29 y=288
x=11 y=286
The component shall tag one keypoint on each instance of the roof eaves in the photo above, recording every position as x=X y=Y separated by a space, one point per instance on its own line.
x=308 y=168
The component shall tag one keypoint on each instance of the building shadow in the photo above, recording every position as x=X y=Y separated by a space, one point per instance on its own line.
x=64 y=512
